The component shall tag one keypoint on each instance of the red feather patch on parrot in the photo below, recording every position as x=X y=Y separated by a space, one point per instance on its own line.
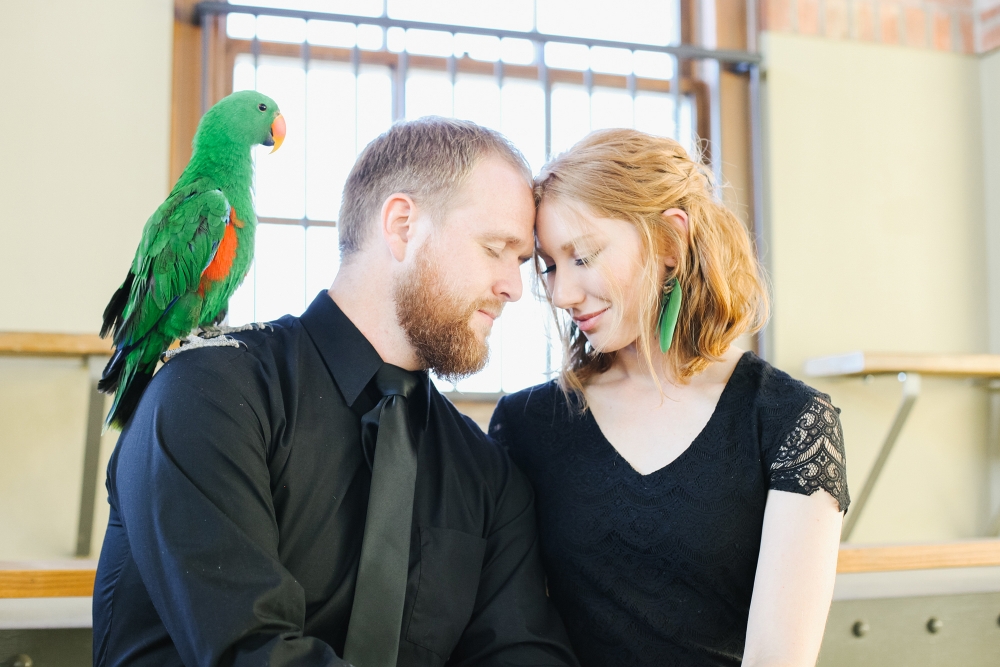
x=219 y=267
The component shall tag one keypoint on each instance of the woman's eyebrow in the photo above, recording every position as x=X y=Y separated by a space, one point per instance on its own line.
x=571 y=246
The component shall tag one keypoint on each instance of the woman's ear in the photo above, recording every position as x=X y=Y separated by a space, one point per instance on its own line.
x=679 y=219
x=676 y=216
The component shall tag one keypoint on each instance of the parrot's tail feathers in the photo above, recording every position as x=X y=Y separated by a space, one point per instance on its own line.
x=112 y=374
x=127 y=398
x=116 y=307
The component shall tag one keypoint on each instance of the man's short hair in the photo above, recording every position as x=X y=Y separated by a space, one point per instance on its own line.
x=428 y=159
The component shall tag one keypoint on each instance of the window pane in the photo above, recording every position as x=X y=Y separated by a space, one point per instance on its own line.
x=430 y=43
x=374 y=103
x=477 y=98
x=281 y=29
x=653 y=65
x=610 y=107
x=281 y=176
x=478 y=47
x=244 y=73
x=370 y=37
x=613 y=61
x=241 y=303
x=567 y=56
x=524 y=346
x=332 y=33
x=522 y=119
x=280 y=271
x=642 y=21
x=363 y=7
x=322 y=260
x=507 y=15
x=570 y=116
x=241 y=26
x=517 y=51
x=654 y=114
x=428 y=94
x=331 y=136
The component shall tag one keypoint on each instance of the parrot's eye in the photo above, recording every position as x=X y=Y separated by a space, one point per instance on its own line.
x=262 y=106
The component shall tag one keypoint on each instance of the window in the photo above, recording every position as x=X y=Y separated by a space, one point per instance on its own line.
x=543 y=72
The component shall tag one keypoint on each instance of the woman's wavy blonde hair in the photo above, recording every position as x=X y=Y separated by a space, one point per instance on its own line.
x=631 y=176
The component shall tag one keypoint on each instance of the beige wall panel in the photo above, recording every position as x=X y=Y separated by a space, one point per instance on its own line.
x=877 y=242
x=85 y=157
x=84 y=163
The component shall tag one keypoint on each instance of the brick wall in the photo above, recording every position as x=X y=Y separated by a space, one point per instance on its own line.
x=960 y=26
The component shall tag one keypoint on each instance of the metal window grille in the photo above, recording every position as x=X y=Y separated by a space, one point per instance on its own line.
x=341 y=79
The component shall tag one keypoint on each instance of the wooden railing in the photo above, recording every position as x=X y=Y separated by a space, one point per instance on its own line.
x=47 y=579
x=76 y=578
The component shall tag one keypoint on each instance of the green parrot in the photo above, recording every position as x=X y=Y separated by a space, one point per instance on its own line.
x=195 y=249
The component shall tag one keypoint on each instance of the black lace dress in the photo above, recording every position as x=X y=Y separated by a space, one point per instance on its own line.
x=658 y=569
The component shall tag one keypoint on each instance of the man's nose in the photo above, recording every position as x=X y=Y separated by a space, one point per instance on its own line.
x=509 y=287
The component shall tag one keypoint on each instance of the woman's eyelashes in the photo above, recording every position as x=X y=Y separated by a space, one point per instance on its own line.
x=578 y=261
x=586 y=261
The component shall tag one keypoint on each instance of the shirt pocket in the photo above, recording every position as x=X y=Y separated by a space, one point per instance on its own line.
x=450 y=565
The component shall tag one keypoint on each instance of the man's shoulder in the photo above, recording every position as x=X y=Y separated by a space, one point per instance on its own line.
x=246 y=361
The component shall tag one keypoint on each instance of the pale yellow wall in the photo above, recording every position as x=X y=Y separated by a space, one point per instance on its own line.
x=877 y=242
x=86 y=92
x=989 y=81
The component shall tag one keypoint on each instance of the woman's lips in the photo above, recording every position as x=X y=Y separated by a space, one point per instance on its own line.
x=590 y=320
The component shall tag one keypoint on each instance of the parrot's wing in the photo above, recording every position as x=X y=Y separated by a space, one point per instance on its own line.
x=178 y=243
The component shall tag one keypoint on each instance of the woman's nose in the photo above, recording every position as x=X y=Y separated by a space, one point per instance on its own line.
x=566 y=293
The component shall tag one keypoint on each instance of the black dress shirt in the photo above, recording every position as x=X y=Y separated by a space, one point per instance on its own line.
x=238 y=497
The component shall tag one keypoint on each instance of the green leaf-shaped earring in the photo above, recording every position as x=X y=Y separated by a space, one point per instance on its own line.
x=670 y=309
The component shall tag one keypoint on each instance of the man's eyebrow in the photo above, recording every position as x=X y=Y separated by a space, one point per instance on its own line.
x=509 y=240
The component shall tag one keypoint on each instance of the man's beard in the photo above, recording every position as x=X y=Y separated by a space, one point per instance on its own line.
x=438 y=324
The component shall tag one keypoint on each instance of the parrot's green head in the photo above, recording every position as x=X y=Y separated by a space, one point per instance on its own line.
x=241 y=120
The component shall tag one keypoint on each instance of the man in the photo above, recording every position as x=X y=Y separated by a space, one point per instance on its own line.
x=309 y=498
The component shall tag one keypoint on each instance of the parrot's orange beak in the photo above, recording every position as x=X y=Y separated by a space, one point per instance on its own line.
x=278 y=131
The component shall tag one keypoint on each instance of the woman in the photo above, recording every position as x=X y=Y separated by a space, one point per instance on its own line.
x=689 y=495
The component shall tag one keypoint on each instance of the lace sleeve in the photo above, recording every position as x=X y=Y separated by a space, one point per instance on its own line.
x=812 y=454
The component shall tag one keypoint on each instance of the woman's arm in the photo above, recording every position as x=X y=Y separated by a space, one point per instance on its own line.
x=794 y=583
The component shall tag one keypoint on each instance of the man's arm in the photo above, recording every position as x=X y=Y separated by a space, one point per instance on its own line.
x=513 y=621
x=193 y=489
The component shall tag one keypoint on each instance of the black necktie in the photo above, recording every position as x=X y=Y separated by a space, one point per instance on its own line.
x=377 y=614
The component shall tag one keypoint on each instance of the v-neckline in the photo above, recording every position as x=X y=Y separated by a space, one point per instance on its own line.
x=704 y=429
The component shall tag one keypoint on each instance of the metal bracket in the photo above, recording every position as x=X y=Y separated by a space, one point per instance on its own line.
x=911 y=389
x=91 y=457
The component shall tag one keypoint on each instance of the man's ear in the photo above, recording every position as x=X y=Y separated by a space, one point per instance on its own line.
x=679 y=219
x=396 y=223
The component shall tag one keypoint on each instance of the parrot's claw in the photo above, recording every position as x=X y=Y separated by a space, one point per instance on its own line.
x=194 y=342
x=213 y=332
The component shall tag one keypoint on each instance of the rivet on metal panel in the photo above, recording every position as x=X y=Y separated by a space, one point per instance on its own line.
x=860 y=628
x=934 y=625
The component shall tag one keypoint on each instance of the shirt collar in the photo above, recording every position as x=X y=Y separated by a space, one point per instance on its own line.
x=350 y=358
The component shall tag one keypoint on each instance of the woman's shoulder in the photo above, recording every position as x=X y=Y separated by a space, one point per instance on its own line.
x=535 y=406
x=801 y=438
x=778 y=396
x=526 y=418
